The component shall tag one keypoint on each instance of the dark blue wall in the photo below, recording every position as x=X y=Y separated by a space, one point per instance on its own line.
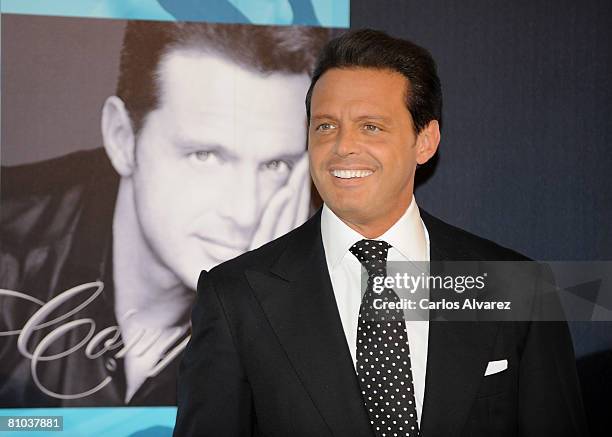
x=525 y=157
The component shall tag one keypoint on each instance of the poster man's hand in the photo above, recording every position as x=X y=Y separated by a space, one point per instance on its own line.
x=288 y=208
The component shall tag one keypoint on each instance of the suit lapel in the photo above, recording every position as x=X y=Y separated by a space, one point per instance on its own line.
x=457 y=355
x=298 y=300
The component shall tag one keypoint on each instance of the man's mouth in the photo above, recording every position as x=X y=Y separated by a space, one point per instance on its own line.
x=351 y=174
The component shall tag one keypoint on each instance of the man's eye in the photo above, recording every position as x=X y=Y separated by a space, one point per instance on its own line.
x=277 y=165
x=371 y=128
x=202 y=156
x=325 y=127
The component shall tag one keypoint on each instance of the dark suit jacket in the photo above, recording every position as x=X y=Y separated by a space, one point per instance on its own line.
x=269 y=356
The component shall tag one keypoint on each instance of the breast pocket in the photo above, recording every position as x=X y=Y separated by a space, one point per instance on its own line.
x=501 y=380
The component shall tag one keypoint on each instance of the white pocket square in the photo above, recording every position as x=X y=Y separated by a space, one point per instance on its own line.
x=495 y=367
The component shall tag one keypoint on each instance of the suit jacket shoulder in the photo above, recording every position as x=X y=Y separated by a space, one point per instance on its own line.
x=294 y=248
x=453 y=243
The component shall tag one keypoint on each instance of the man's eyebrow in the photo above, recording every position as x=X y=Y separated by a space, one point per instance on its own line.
x=195 y=146
x=322 y=117
x=374 y=117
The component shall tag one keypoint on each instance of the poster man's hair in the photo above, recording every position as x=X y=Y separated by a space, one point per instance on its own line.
x=264 y=49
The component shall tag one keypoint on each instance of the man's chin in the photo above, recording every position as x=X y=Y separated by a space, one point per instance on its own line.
x=350 y=210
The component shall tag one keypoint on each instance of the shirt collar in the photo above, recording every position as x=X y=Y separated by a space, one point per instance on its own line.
x=407 y=236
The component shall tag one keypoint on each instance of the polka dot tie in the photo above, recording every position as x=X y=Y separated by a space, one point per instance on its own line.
x=383 y=354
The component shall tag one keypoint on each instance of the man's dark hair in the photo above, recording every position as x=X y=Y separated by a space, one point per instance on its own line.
x=264 y=49
x=374 y=49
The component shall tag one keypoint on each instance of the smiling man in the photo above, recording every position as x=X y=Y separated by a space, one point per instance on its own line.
x=204 y=158
x=283 y=335
x=363 y=154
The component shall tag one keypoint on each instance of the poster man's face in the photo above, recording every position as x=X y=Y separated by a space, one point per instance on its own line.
x=221 y=142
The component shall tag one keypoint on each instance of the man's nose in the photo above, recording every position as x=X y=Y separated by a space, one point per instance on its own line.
x=346 y=143
x=241 y=202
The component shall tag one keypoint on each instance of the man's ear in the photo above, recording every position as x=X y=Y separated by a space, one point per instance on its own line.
x=427 y=142
x=118 y=136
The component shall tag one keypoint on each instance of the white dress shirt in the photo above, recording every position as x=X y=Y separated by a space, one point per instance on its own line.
x=410 y=242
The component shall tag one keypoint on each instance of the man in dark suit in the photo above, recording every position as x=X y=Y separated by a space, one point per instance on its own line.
x=283 y=342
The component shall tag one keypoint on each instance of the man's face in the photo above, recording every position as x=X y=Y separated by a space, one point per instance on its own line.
x=362 y=144
x=221 y=142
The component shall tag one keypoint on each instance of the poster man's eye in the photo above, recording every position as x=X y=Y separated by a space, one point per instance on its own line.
x=277 y=165
x=203 y=156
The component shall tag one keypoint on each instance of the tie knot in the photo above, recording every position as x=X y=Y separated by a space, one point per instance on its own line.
x=372 y=254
